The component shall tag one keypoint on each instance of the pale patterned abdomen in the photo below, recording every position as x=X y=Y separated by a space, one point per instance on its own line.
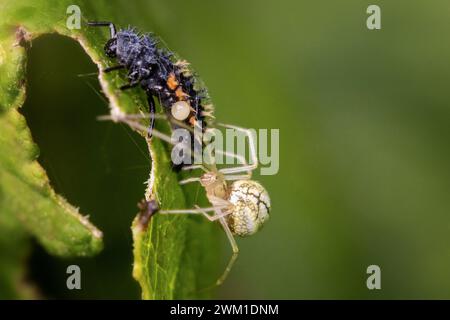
x=251 y=207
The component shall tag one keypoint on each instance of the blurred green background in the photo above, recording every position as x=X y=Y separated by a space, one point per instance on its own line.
x=364 y=123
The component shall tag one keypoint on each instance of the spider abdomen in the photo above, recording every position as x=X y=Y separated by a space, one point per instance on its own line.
x=250 y=207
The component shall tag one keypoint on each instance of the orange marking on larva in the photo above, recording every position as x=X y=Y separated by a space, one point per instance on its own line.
x=172 y=82
x=180 y=94
x=192 y=121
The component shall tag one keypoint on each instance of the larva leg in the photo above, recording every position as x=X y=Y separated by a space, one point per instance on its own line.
x=113 y=68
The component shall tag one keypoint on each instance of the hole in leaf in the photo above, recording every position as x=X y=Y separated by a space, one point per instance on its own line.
x=96 y=166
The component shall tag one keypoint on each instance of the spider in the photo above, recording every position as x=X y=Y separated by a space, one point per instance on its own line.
x=239 y=204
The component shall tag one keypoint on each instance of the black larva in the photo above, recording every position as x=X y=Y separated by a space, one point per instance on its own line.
x=171 y=83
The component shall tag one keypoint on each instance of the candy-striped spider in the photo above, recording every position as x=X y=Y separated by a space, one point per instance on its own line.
x=238 y=203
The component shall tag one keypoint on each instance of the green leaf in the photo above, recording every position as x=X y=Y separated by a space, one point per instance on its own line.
x=174 y=258
x=14 y=249
x=28 y=204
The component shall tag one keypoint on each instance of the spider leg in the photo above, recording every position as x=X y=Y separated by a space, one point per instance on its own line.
x=133 y=122
x=238 y=157
x=195 y=166
x=235 y=249
x=202 y=211
x=136 y=126
x=189 y=180
x=238 y=177
x=219 y=215
x=241 y=159
x=112 y=27
x=253 y=155
x=219 y=201
x=216 y=216
x=140 y=116
x=159 y=116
